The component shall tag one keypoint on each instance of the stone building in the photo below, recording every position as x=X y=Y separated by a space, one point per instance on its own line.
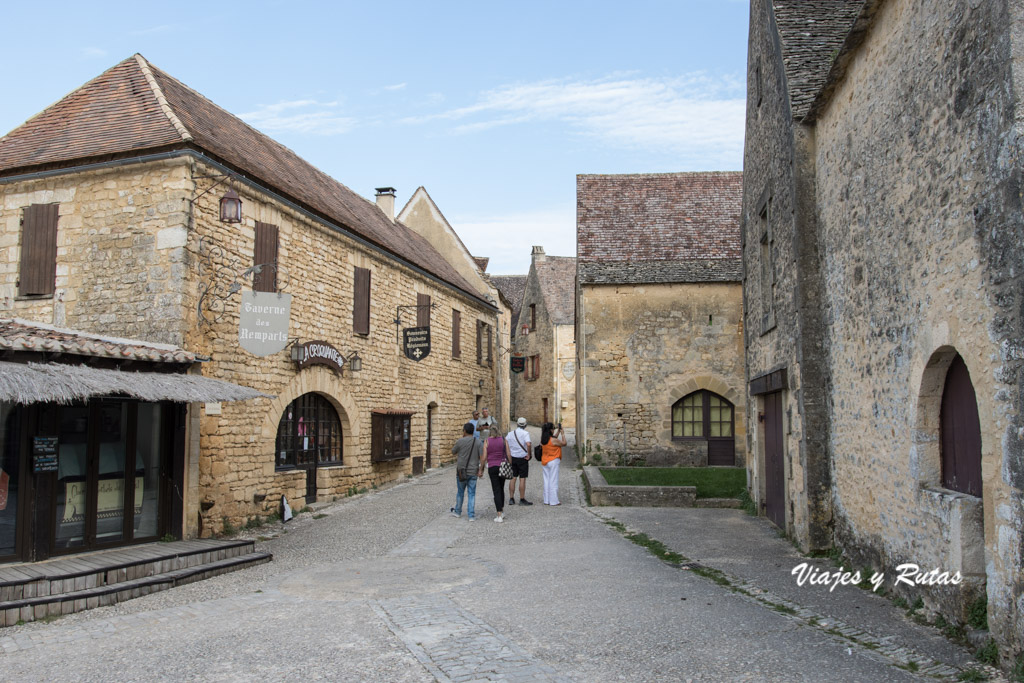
x=659 y=309
x=545 y=391
x=154 y=215
x=421 y=215
x=883 y=237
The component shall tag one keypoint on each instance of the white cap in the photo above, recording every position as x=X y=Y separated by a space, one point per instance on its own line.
x=521 y=422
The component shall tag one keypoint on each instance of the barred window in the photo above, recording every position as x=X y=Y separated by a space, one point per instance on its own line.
x=309 y=433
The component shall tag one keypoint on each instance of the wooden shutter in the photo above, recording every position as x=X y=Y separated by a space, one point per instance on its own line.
x=265 y=252
x=960 y=432
x=361 y=302
x=479 y=343
x=38 y=272
x=536 y=367
x=456 y=333
x=490 y=344
x=422 y=310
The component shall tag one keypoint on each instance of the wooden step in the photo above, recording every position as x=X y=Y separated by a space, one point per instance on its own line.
x=38 y=607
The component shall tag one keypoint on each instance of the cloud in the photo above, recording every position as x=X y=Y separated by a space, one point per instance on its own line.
x=94 y=52
x=299 y=116
x=507 y=239
x=675 y=115
x=397 y=86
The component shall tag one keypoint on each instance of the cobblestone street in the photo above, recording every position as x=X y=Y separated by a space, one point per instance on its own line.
x=389 y=587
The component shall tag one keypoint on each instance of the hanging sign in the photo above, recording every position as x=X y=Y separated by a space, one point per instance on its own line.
x=417 y=343
x=318 y=353
x=517 y=363
x=263 y=322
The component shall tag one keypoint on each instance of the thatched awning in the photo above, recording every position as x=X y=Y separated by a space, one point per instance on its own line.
x=57 y=383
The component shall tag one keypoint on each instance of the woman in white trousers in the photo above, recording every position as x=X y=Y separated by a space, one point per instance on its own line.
x=551 y=443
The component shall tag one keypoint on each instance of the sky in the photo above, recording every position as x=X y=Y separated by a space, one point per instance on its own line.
x=493 y=107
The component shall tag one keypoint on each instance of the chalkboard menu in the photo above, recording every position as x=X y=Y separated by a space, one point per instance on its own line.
x=44 y=454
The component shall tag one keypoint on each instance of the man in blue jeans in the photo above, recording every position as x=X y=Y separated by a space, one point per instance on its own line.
x=468 y=468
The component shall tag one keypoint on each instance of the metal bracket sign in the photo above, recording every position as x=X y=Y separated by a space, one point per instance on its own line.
x=263 y=322
x=416 y=343
x=517 y=364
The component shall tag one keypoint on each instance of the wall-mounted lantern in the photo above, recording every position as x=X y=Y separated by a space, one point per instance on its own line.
x=526 y=329
x=231 y=207
x=355 y=363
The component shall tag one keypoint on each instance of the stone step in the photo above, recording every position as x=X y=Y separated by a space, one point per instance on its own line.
x=38 y=607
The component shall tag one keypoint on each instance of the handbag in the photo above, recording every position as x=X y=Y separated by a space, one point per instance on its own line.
x=538 y=451
x=505 y=470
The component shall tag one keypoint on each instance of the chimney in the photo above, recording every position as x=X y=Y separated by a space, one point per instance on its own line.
x=538 y=254
x=386 y=201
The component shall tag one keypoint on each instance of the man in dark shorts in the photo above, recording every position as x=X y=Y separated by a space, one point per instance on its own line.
x=519 y=447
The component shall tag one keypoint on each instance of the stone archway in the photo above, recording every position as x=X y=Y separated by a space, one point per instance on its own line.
x=674 y=391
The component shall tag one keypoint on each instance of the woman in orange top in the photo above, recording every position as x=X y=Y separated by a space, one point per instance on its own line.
x=551 y=443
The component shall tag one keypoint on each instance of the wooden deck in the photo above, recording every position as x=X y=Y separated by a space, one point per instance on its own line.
x=69 y=584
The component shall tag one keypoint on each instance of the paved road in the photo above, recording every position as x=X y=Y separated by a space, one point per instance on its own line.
x=388 y=587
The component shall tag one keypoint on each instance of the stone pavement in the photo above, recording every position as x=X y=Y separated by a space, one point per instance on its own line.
x=388 y=587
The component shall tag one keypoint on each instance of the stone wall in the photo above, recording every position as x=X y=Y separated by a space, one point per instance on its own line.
x=643 y=348
x=556 y=346
x=784 y=330
x=918 y=193
x=128 y=265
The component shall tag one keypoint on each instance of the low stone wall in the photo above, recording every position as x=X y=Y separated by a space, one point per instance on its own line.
x=602 y=493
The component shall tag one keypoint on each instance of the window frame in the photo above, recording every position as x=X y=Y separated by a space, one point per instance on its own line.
x=311 y=408
x=387 y=444
x=705 y=422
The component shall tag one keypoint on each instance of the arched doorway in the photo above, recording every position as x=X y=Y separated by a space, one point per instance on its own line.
x=309 y=435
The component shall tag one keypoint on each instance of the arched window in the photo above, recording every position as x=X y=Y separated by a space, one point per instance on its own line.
x=960 y=431
x=309 y=433
x=706 y=416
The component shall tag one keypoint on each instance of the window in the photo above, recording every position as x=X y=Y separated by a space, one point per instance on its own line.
x=960 y=432
x=706 y=416
x=533 y=317
x=490 y=345
x=38 y=274
x=422 y=310
x=456 y=333
x=533 y=368
x=390 y=436
x=484 y=344
x=767 y=269
x=361 y=301
x=265 y=257
x=479 y=343
x=309 y=433
x=700 y=415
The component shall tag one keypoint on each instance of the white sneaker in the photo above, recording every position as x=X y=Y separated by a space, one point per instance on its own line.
x=455 y=514
x=499 y=520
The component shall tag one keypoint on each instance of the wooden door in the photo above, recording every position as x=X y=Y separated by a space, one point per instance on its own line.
x=430 y=434
x=960 y=432
x=775 y=494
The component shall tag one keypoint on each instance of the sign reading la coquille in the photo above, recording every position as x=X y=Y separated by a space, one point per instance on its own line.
x=319 y=353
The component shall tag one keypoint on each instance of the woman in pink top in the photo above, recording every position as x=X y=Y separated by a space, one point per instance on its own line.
x=497 y=453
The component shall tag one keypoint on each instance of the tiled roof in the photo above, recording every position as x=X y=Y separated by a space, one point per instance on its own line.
x=812 y=32
x=23 y=335
x=512 y=287
x=136 y=107
x=556 y=276
x=654 y=226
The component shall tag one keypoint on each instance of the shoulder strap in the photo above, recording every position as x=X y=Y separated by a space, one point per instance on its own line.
x=516 y=436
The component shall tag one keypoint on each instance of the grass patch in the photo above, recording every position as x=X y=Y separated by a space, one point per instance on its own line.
x=988 y=653
x=971 y=675
x=747 y=503
x=711 y=482
x=977 y=616
x=319 y=515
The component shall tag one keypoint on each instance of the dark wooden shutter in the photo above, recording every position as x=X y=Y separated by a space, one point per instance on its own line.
x=479 y=343
x=265 y=252
x=490 y=344
x=361 y=302
x=456 y=333
x=960 y=432
x=422 y=310
x=38 y=273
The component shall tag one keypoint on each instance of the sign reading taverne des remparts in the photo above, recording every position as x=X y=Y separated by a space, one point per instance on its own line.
x=263 y=322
